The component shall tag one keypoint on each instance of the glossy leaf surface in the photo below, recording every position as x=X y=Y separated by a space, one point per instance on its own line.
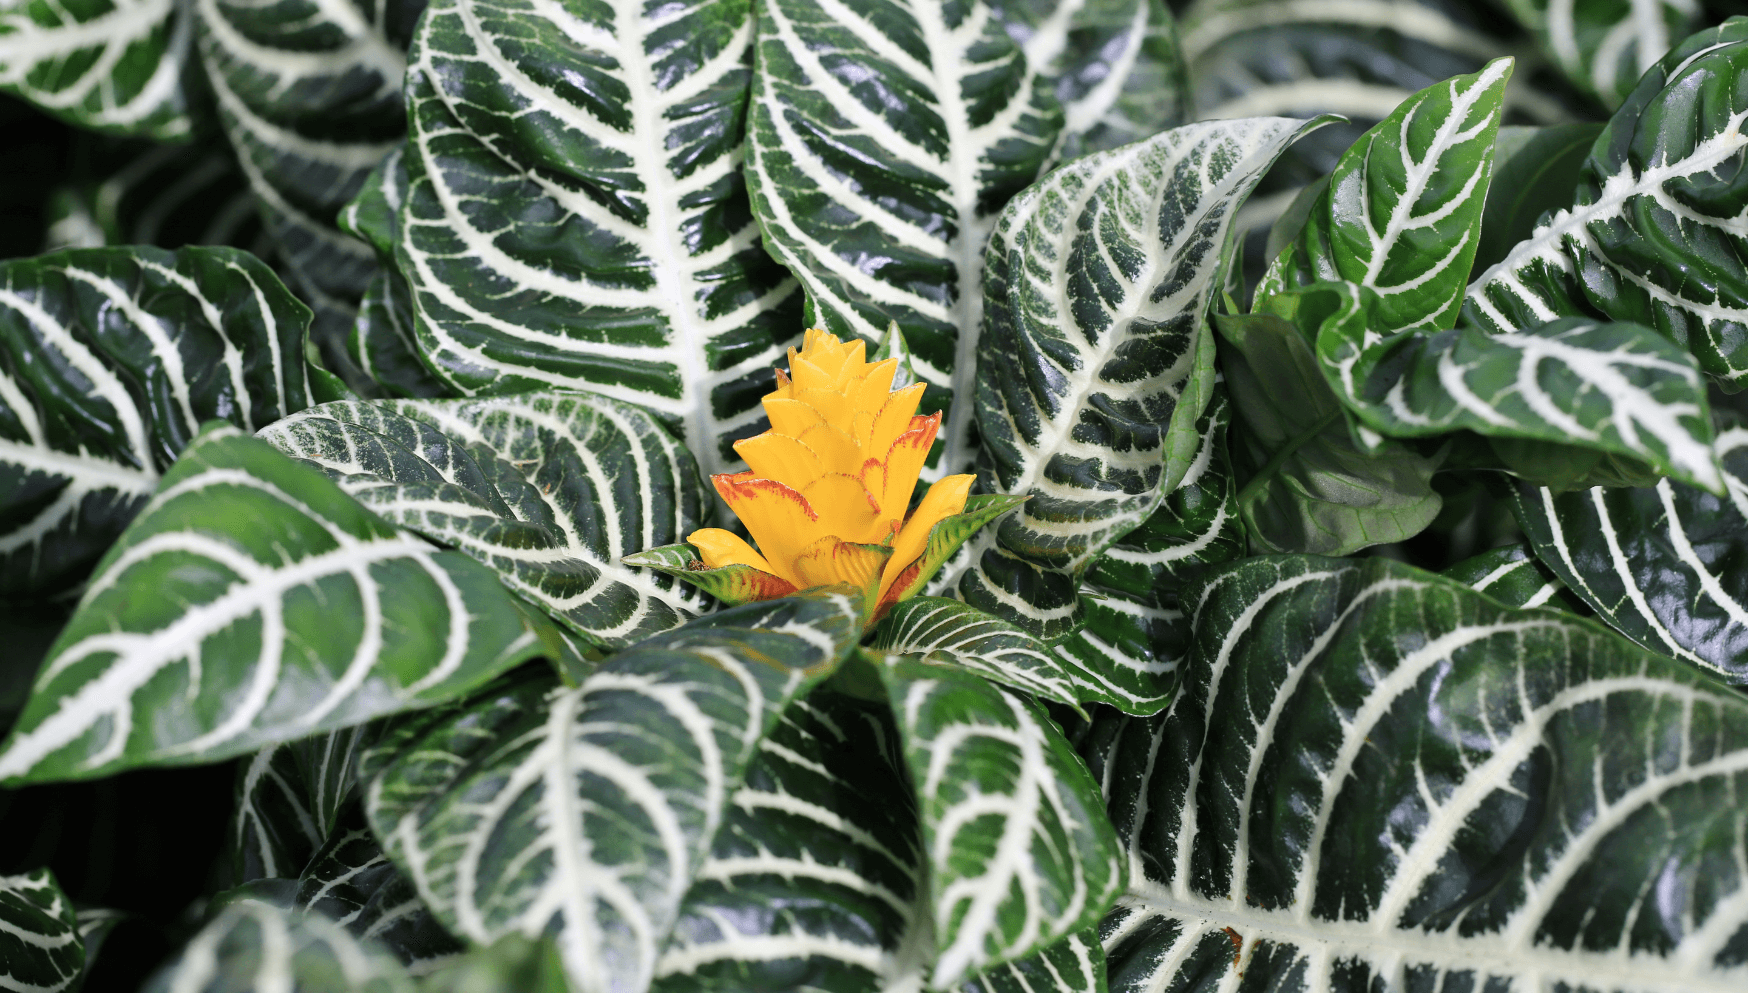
x=586 y=813
x=576 y=216
x=110 y=360
x=254 y=602
x=41 y=948
x=118 y=66
x=1373 y=775
x=550 y=490
x=1019 y=854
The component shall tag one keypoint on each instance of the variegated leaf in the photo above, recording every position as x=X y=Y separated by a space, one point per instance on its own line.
x=110 y=360
x=586 y=813
x=1616 y=389
x=814 y=875
x=309 y=93
x=1512 y=575
x=120 y=66
x=1376 y=778
x=1401 y=215
x=289 y=800
x=1662 y=564
x=1604 y=46
x=1118 y=72
x=549 y=489
x=1019 y=853
x=351 y=882
x=253 y=945
x=1074 y=964
x=1096 y=359
x=881 y=145
x=1134 y=633
x=950 y=633
x=618 y=253
x=147 y=193
x=383 y=346
x=254 y=602
x=1655 y=235
x=41 y=950
x=1535 y=170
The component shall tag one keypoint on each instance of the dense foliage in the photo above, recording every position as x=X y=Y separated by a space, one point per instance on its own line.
x=1330 y=573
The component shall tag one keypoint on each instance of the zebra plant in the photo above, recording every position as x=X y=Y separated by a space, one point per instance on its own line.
x=789 y=496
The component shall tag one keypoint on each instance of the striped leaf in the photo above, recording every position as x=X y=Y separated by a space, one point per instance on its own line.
x=1019 y=854
x=351 y=882
x=1401 y=214
x=144 y=193
x=383 y=346
x=1662 y=564
x=110 y=360
x=289 y=800
x=955 y=635
x=1311 y=482
x=615 y=251
x=1512 y=575
x=1134 y=633
x=41 y=950
x=1604 y=46
x=812 y=880
x=120 y=66
x=1376 y=778
x=1535 y=170
x=254 y=602
x=309 y=94
x=586 y=813
x=1617 y=389
x=882 y=143
x=1116 y=67
x=1074 y=964
x=1096 y=356
x=551 y=490
x=1654 y=236
x=253 y=945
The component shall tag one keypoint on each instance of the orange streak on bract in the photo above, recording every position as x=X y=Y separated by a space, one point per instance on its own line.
x=846 y=509
x=905 y=461
x=893 y=419
x=831 y=561
x=943 y=500
x=781 y=519
x=779 y=456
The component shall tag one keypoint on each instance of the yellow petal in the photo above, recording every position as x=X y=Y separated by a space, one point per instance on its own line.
x=894 y=419
x=904 y=463
x=791 y=417
x=719 y=548
x=780 y=519
x=837 y=409
x=871 y=390
x=846 y=509
x=830 y=561
x=943 y=500
x=808 y=376
x=778 y=456
x=837 y=453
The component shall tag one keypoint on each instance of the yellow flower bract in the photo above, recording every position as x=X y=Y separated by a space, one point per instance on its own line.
x=826 y=494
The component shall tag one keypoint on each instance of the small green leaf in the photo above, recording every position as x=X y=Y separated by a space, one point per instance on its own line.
x=1402 y=213
x=1019 y=851
x=254 y=602
x=1512 y=575
x=40 y=944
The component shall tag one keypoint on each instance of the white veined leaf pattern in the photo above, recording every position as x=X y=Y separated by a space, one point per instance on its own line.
x=119 y=66
x=1662 y=564
x=1514 y=576
x=1134 y=632
x=1604 y=46
x=1660 y=184
x=813 y=878
x=586 y=813
x=1401 y=215
x=253 y=602
x=289 y=800
x=1018 y=854
x=309 y=93
x=41 y=949
x=1074 y=964
x=1373 y=777
x=1096 y=358
x=549 y=489
x=1615 y=388
x=950 y=633
x=110 y=360
x=351 y=882
x=253 y=945
x=145 y=193
x=618 y=253
x=882 y=143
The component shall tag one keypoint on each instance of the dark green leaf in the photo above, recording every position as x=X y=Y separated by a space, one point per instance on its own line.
x=254 y=945
x=1512 y=575
x=40 y=945
x=289 y=799
x=121 y=67
x=1535 y=170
